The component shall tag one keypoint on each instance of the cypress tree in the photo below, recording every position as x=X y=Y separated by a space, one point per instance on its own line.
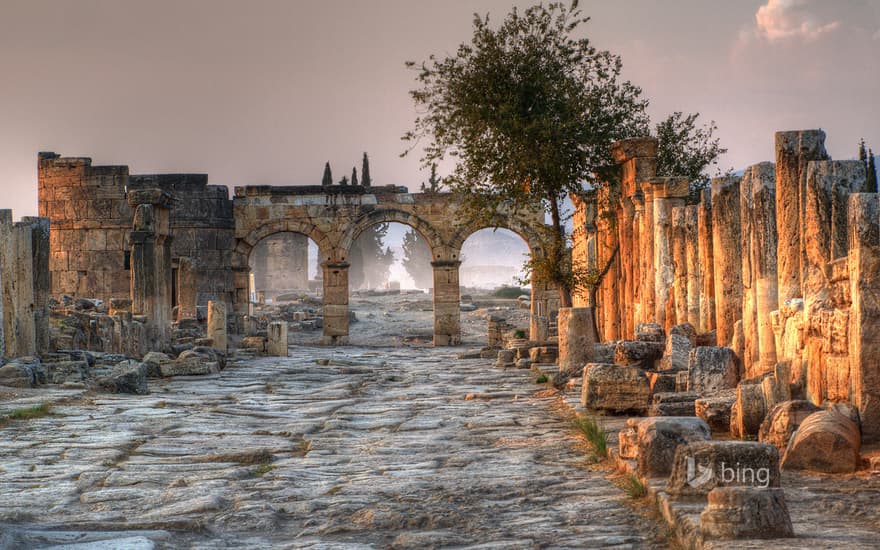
x=354 y=176
x=871 y=181
x=366 y=181
x=343 y=181
x=327 y=180
x=863 y=155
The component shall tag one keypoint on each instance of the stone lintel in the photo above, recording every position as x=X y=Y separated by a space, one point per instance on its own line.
x=669 y=187
x=626 y=149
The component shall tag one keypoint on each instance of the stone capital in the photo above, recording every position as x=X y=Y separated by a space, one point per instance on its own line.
x=626 y=149
x=669 y=187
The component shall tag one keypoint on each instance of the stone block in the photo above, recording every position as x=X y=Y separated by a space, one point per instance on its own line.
x=750 y=409
x=576 y=337
x=277 y=342
x=826 y=441
x=661 y=381
x=127 y=377
x=701 y=466
x=217 y=324
x=628 y=439
x=712 y=369
x=638 y=354
x=659 y=437
x=650 y=332
x=746 y=513
x=615 y=388
x=716 y=410
x=783 y=420
x=68 y=371
x=254 y=342
x=14 y=375
x=679 y=342
x=673 y=404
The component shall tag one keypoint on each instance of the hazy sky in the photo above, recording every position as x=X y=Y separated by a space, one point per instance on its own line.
x=266 y=91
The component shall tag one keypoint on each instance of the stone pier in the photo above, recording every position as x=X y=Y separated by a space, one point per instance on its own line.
x=727 y=256
x=187 y=295
x=217 y=325
x=336 y=314
x=680 y=265
x=692 y=258
x=668 y=194
x=447 y=304
x=277 y=339
x=706 y=262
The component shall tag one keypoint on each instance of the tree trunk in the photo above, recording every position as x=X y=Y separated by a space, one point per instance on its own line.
x=559 y=251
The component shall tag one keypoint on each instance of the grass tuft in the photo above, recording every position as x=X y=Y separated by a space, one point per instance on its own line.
x=262 y=469
x=634 y=487
x=27 y=413
x=595 y=434
x=541 y=379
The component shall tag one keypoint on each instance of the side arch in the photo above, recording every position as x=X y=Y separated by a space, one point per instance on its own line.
x=245 y=245
x=425 y=230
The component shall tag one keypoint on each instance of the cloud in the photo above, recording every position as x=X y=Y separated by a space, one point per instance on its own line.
x=780 y=20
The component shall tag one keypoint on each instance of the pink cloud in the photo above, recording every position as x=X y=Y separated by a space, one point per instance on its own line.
x=779 y=20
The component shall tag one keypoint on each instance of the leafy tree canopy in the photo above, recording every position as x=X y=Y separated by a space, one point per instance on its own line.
x=684 y=149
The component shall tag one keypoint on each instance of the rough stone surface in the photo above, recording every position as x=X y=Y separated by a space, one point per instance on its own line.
x=659 y=437
x=716 y=410
x=277 y=343
x=650 y=332
x=638 y=353
x=700 y=467
x=615 y=388
x=746 y=513
x=673 y=404
x=825 y=442
x=127 y=377
x=576 y=338
x=379 y=448
x=712 y=369
x=783 y=420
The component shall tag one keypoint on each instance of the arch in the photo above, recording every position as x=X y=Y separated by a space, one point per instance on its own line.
x=244 y=246
x=525 y=232
x=425 y=230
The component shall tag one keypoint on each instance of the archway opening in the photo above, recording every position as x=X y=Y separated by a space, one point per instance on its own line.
x=390 y=280
x=285 y=283
x=491 y=273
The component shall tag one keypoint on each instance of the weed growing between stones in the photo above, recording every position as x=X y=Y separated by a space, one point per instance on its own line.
x=595 y=434
x=634 y=487
x=541 y=379
x=262 y=469
x=27 y=413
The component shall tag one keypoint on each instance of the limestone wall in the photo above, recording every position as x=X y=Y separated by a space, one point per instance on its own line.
x=780 y=264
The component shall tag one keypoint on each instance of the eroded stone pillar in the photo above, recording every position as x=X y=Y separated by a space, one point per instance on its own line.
x=608 y=217
x=680 y=265
x=864 y=320
x=649 y=297
x=447 y=303
x=217 y=325
x=24 y=280
x=41 y=279
x=692 y=254
x=706 y=262
x=187 y=289
x=637 y=246
x=576 y=338
x=336 y=314
x=749 y=313
x=793 y=151
x=277 y=339
x=668 y=193
x=727 y=256
x=627 y=260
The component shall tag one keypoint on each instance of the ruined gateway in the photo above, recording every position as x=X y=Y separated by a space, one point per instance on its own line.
x=736 y=340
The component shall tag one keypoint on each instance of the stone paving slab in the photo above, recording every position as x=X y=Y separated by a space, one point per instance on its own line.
x=407 y=448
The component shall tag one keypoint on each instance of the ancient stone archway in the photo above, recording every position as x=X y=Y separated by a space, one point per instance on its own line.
x=334 y=216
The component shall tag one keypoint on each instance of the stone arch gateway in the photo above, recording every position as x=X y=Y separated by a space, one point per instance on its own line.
x=334 y=216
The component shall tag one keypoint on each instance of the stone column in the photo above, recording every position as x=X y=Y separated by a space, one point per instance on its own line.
x=151 y=262
x=217 y=324
x=749 y=314
x=186 y=289
x=336 y=314
x=864 y=320
x=19 y=292
x=277 y=342
x=679 y=265
x=668 y=193
x=692 y=253
x=647 y=256
x=576 y=338
x=727 y=256
x=607 y=219
x=40 y=250
x=766 y=277
x=637 y=245
x=706 y=262
x=447 y=303
x=793 y=151
x=627 y=261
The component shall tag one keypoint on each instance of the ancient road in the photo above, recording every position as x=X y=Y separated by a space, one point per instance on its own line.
x=373 y=448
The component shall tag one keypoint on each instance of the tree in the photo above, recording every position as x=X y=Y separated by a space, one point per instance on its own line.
x=527 y=111
x=435 y=183
x=871 y=182
x=417 y=259
x=343 y=181
x=354 y=176
x=327 y=180
x=687 y=150
x=366 y=180
x=369 y=258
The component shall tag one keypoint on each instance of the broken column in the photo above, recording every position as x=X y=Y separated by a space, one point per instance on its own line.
x=648 y=281
x=277 y=343
x=727 y=256
x=668 y=193
x=217 y=324
x=793 y=151
x=336 y=314
x=747 y=232
x=680 y=265
x=151 y=262
x=638 y=263
x=447 y=303
x=187 y=295
x=576 y=337
x=706 y=262
x=607 y=220
x=692 y=259
x=864 y=328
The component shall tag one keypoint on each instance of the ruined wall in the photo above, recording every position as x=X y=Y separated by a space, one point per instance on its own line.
x=24 y=286
x=781 y=263
x=92 y=220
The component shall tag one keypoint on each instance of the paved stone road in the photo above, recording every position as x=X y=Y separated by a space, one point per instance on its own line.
x=376 y=448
